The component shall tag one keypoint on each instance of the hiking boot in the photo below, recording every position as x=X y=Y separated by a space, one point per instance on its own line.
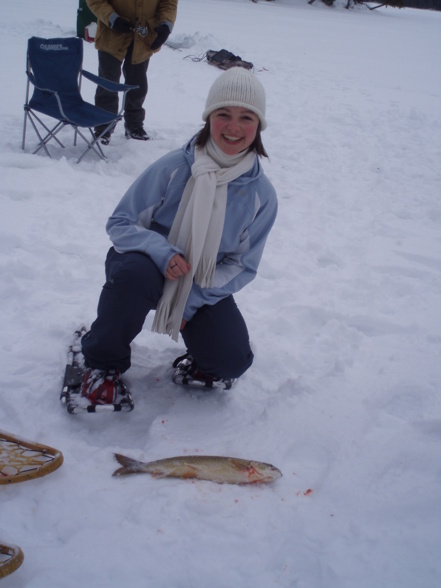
x=101 y=387
x=188 y=374
x=105 y=139
x=139 y=134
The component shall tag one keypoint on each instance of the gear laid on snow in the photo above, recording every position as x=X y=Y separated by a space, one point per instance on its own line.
x=22 y=460
x=11 y=558
x=222 y=59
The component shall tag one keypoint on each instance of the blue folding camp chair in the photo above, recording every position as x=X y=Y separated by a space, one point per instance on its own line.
x=54 y=68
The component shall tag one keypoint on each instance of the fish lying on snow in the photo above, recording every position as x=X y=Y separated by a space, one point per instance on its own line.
x=223 y=470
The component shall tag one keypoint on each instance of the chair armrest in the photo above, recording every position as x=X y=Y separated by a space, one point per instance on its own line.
x=107 y=84
x=48 y=91
x=34 y=83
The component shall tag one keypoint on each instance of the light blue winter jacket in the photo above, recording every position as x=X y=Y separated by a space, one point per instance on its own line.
x=143 y=219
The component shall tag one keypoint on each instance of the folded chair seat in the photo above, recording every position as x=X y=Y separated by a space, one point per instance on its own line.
x=54 y=70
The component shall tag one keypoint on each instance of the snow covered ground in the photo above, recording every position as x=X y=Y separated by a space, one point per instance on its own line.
x=345 y=318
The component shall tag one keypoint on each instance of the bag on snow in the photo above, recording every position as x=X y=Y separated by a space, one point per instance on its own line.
x=225 y=59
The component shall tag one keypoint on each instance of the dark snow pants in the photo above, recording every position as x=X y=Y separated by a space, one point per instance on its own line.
x=109 y=68
x=216 y=337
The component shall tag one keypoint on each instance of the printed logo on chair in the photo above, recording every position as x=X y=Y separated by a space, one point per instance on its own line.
x=54 y=47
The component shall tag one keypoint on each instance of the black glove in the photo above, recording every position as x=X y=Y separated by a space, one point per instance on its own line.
x=163 y=33
x=121 y=25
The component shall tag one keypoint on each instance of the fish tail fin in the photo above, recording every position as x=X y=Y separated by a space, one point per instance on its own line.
x=130 y=466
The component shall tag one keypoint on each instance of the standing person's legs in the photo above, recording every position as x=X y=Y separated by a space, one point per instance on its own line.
x=136 y=75
x=217 y=339
x=109 y=68
x=133 y=288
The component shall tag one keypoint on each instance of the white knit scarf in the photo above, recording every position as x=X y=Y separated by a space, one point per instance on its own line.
x=197 y=229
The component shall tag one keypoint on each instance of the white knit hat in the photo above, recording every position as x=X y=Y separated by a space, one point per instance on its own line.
x=237 y=87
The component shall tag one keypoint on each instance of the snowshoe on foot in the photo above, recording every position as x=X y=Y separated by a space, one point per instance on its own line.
x=100 y=387
x=188 y=374
x=88 y=390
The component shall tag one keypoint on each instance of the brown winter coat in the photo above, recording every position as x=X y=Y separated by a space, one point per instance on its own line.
x=148 y=13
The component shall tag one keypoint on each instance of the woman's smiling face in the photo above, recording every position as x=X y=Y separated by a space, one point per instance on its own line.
x=233 y=128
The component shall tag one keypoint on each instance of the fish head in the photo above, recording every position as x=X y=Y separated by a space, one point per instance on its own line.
x=257 y=472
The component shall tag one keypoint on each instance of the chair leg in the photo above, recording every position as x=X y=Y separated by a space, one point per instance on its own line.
x=93 y=145
x=24 y=130
x=41 y=143
x=50 y=133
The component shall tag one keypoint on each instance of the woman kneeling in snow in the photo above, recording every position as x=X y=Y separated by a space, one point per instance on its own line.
x=187 y=235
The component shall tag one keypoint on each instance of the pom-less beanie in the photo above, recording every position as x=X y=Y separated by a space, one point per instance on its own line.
x=237 y=87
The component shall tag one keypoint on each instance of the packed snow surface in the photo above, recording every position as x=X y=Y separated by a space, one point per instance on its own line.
x=344 y=317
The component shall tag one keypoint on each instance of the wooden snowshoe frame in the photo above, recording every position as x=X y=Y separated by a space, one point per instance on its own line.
x=24 y=460
x=11 y=558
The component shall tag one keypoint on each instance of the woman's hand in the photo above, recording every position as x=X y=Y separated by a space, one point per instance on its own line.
x=177 y=267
